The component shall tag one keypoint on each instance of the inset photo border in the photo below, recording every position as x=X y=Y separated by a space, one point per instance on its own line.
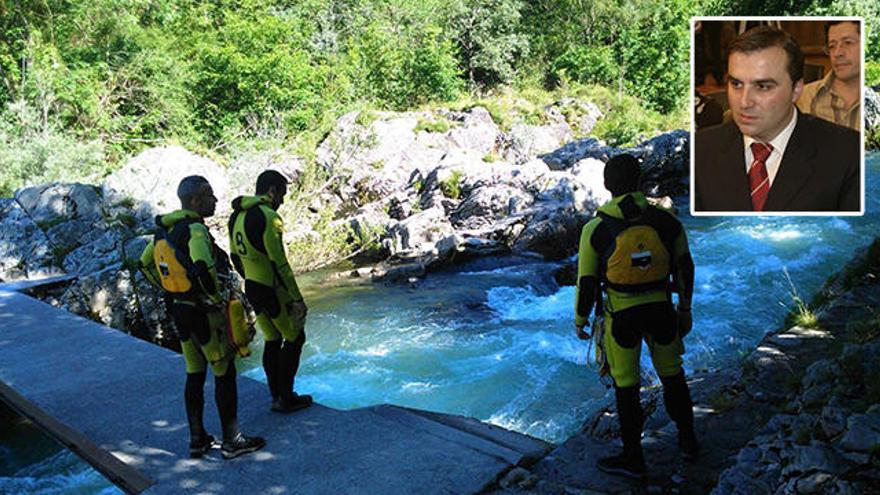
x=763 y=143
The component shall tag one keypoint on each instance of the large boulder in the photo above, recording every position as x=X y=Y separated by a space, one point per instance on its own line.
x=25 y=251
x=151 y=178
x=553 y=231
x=575 y=151
x=246 y=166
x=488 y=204
x=525 y=142
x=420 y=232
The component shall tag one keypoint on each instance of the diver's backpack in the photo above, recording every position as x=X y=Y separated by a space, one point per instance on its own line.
x=176 y=271
x=636 y=254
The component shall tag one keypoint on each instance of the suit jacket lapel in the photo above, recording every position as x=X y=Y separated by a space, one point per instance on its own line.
x=795 y=169
x=732 y=169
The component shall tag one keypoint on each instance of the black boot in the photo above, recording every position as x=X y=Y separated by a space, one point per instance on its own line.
x=271 y=356
x=680 y=408
x=631 y=463
x=226 y=396
x=194 y=397
x=288 y=400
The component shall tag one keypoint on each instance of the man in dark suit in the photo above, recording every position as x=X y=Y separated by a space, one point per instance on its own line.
x=770 y=157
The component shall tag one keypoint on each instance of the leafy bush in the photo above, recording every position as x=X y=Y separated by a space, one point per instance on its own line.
x=404 y=70
x=432 y=125
x=587 y=64
x=33 y=151
x=451 y=187
x=872 y=73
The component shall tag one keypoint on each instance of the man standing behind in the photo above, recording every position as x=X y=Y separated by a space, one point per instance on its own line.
x=184 y=261
x=770 y=157
x=258 y=254
x=837 y=97
x=630 y=250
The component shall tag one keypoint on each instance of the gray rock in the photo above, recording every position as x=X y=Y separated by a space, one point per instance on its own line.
x=832 y=420
x=420 y=232
x=587 y=111
x=812 y=483
x=525 y=142
x=370 y=222
x=665 y=161
x=247 y=165
x=575 y=151
x=862 y=432
x=810 y=458
x=25 y=251
x=98 y=254
x=822 y=372
x=553 y=232
x=487 y=204
x=104 y=296
x=872 y=118
x=477 y=132
x=55 y=203
x=516 y=476
x=152 y=178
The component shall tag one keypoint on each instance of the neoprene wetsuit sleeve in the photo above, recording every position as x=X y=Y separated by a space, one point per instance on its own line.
x=201 y=253
x=148 y=266
x=588 y=275
x=683 y=276
x=273 y=240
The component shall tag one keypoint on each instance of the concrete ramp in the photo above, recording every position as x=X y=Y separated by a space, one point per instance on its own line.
x=117 y=394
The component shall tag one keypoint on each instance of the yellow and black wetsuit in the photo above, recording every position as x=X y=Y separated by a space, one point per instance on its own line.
x=258 y=254
x=638 y=312
x=647 y=313
x=199 y=312
x=199 y=320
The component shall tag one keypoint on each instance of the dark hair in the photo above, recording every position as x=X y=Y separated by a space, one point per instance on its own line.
x=622 y=174
x=834 y=23
x=190 y=187
x=762 y=37
x=270 y=178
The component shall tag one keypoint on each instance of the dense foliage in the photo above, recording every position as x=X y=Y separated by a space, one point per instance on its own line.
x=85 y=84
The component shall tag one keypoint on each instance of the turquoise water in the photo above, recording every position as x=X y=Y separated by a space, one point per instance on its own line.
x=495 y=339
x=31 y=462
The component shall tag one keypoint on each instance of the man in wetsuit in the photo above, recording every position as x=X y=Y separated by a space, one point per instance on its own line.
x=197 y=309
x=258 y=254
x=629 y=251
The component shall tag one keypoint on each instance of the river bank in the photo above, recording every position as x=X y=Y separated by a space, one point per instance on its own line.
x=800 y=414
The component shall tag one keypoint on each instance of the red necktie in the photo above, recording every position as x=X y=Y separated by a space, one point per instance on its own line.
x=759 y=182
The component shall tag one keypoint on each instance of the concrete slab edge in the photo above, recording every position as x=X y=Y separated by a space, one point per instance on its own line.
x=121 y=474
x=454 y=435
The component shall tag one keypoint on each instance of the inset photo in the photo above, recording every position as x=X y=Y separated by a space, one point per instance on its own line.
x=777 y=116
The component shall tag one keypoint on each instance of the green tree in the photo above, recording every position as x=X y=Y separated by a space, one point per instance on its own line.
x=489 y=38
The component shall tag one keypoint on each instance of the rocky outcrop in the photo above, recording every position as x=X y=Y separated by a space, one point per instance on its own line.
x=872 y=119
x=448 y=178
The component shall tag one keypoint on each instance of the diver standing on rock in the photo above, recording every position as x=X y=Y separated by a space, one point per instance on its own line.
x=184 y=261
x=258 y=254
x=629 y=252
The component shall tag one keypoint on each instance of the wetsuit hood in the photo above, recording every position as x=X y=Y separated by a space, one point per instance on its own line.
x=629 y=205
x=169 y=220
x=248 y=202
